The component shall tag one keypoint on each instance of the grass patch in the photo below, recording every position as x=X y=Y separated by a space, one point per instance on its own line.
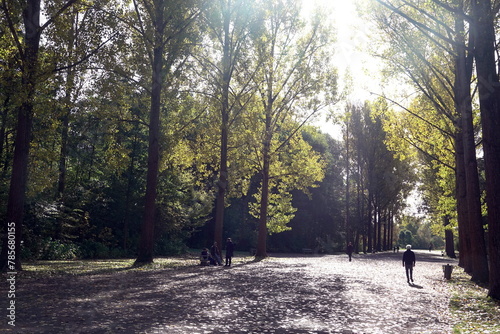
x=473 y=310
x=40 y=269
x=47 y=269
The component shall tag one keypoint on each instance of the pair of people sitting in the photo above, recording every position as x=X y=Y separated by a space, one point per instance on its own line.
x=207 y=258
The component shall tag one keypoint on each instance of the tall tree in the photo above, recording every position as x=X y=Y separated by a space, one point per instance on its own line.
x=294 y=72
x=164 y=29
x=441 y=88
x=483 y=30
x=230 y=23
x=28 y=48
x=463 y=98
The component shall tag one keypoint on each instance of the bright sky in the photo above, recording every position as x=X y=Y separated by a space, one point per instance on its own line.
x=351 y=53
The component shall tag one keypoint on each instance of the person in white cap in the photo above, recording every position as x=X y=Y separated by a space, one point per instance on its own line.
x=409 y=263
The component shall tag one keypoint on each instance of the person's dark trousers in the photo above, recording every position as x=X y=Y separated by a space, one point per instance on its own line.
x=228 y=261
x=409 y=272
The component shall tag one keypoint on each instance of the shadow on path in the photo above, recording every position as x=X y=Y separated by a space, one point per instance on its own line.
x=324 y=294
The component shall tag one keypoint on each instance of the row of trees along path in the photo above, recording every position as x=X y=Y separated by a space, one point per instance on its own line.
x=305 y=294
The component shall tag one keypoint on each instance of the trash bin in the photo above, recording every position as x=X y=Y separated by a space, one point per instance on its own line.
x=447 y=269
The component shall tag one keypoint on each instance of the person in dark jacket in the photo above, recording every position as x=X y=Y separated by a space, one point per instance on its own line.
x=229 y=251
x=215 y=253
x=349 y=250
x=409 y=263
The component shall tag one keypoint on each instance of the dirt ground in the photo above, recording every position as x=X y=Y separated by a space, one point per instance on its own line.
x=282 y=294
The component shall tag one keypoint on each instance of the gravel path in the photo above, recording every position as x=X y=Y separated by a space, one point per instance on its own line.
x=305 y=294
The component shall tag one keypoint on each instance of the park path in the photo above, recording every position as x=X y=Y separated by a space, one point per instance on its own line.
x=282 y=294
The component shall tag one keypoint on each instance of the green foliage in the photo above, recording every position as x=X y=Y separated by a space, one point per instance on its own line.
x=49 y=249
x=296 y=167
x=90 y=249
x=418 y=233
x=405 y=238
x=88 y=158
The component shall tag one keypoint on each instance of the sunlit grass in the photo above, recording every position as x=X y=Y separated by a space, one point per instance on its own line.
x=41 y=269
x=473 y=310
x=89 y=267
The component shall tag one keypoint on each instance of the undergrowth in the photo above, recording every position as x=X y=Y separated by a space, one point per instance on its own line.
x=473 y=310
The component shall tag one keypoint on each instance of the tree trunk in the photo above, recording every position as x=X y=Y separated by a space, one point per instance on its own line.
x=379 y=228
x=264 y=202
x=63 y=153
x=18 y=181
x=70 y=86
x=146 y=243
x=449 y=242
x=347 y=226
x=223 y=173
x=464 y=105
x=489 y=95
x=128 y=196
x=462 y=210
x=369 y=224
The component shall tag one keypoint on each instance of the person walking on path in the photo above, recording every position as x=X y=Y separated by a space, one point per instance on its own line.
x=409 y=263
x=215 y=252
x=229 y=251
x=349 y=250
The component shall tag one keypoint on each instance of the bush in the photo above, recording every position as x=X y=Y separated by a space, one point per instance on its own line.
x=166 y=247
x=55 y=250
x=91 y=249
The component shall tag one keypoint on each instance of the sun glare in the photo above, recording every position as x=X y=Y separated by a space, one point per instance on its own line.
x=357 y=69
x=352 y=35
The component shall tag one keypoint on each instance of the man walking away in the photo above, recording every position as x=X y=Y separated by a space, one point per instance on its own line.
x=349 y=250
x=409 y=263
x=229 y=251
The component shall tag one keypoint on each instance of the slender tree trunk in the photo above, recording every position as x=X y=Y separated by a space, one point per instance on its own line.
x=128 y=196
x=356 y=241
x=489 y=98
x=262 y=233
x=369 y=224
x=462 y=208
x=347 y=226
x=449 y=240
x=264 y=202
x=146 y=243
x=63 y=153
x=460 y=175
x=464 y=105
x=386 y=231
x=18 y=181
x=70 y=86
x=379 y=229
x=223 y=173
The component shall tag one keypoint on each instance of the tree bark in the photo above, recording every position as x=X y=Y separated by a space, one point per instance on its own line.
x=369 y=223
x=146 y=243
x=463 y=100
x=449 y=240
x=264 y=202
x=223 y=173
x=489 y=96
x=347 y=222
x=18 y=181
x=462 y=208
